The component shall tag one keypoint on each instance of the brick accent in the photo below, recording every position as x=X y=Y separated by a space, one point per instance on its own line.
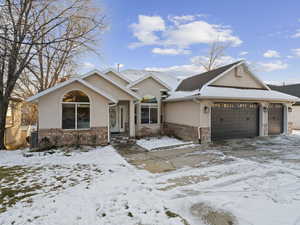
x=59 y=137
x=290 y=127
x=184 y=132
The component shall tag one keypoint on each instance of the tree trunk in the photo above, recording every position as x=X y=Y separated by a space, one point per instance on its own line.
x=3 y=111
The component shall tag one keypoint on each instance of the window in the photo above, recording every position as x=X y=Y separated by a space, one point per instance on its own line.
x=149 y=114
x=76 y=111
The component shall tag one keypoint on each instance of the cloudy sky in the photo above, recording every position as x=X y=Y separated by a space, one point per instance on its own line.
x=171 y=35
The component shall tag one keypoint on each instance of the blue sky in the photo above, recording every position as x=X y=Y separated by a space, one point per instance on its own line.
x=172 y=35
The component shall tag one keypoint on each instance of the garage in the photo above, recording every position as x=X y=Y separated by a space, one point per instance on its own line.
x=234 y=120
x=275 y=118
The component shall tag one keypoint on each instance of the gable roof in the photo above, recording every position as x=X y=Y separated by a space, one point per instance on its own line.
x=292 y=89
x=125 y=89
x=198 y=81
x=70 y=81
x=204 y=79
x=116 y=73
x=168 y=78
x=147 y=77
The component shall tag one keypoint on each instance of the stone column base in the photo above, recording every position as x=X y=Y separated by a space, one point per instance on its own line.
x=94 y=136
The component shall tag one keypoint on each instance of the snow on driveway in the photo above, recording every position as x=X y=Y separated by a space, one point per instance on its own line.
x=159 y=142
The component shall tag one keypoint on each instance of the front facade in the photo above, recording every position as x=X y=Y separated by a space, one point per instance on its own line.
x=229 y=102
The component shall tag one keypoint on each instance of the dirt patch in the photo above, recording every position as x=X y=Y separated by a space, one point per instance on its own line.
x=212 y=216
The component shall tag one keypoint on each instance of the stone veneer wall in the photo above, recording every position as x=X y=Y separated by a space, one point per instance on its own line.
x=184 y=132
x=148 y=130
x=59 y=137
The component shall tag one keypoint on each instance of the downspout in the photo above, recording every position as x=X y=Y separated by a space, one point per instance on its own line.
x=199 y=128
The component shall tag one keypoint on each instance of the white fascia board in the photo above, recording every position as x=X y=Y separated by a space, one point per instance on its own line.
x=63 y=84
x=149 y=76
x=118 y=74
x=97 y=72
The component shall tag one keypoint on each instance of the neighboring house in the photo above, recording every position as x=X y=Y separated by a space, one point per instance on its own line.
x=292 y=89
x=15 y=136
x=229 y=102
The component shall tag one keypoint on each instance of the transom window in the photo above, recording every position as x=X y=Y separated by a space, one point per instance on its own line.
x=149 y=110
x=75 y=110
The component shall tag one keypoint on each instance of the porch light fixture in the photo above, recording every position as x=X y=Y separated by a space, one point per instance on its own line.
x=290 y=109
x=206 y=109
x=265 y=109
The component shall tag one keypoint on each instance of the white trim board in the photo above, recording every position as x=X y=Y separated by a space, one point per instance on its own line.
x=118 y=74
x=231 y=68
x=63 y=84
x=97 y=72
x=149 y=76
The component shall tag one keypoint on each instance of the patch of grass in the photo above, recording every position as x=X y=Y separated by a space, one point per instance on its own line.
x=171 y=214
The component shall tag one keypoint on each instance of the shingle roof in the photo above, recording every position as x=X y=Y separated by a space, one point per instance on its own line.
x=197 y=81
x=292 y=89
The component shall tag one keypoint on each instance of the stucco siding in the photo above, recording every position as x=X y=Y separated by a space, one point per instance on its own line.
x=108 y=87
x=149 y=87
x=296 y=117
x=185 y=113
x=50 y=109
x=116 y=78
x=244 y=81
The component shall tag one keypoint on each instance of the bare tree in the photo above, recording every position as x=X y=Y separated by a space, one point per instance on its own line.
x=27 y=27
x=214 y=55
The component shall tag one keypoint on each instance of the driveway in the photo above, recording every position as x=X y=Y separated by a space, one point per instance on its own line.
x=248 y=181
x=260 y=149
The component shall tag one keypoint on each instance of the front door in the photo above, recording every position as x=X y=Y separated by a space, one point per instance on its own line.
x=113 y=119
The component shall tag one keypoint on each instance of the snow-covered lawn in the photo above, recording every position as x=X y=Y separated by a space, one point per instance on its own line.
x=258 y=183
x=92 y=188
x=160 y=142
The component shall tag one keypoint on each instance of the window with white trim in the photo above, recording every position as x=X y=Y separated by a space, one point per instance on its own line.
x=149 y=110
x=76 y=111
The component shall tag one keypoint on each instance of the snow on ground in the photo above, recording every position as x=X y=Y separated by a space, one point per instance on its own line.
x=296 y=132
x=160 y=142
x=108 y=191
x=260 y=185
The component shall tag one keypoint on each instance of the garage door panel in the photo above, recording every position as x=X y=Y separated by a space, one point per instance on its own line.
x=234 y=120
x=275 y=119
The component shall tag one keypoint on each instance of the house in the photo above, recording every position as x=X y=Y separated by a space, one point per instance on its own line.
x=229 y=102
x=292 y=89
x=15 y=136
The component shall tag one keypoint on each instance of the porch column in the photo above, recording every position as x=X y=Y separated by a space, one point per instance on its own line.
x=287 y=119
x=263 y=119
x=131 y=119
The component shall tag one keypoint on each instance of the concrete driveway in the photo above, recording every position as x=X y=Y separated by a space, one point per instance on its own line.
x=260 y=149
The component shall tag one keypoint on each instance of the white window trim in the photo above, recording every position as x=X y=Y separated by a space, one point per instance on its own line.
x=150 y=106
x=79 y=103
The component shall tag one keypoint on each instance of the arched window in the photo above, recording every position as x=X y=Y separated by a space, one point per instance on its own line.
x=149 y=110
x=75 y=110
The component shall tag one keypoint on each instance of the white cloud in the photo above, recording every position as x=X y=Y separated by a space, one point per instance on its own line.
x=170 y=51
x=296 y=52
x=199 y=32
x=184 y=31
x=243 y=53
x=88 y=65
x=190 y=69
x=224 y=60
x=272 y=66
x=271 y=54
x=145 y=30
x=297 y=34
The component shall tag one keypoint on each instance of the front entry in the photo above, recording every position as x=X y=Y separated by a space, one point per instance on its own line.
x=275 y=115
x=117 y=118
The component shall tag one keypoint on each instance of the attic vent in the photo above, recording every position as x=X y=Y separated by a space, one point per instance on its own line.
x=239 y=71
